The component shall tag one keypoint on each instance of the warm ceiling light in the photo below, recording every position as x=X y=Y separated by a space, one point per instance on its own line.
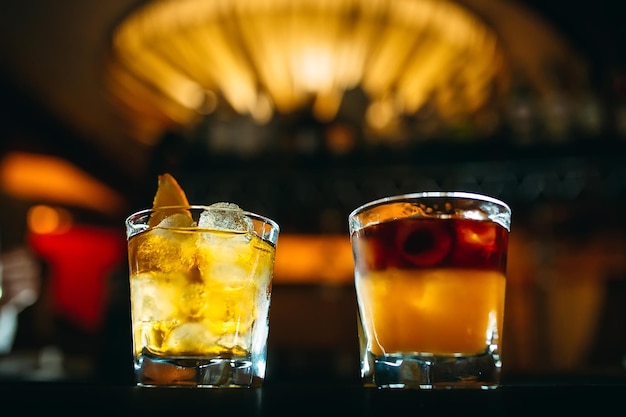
x=267 y=56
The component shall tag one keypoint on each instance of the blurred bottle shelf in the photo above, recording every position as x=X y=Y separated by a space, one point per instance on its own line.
x=313 y=193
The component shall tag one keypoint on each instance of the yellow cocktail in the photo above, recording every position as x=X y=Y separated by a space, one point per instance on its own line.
x=200 y=280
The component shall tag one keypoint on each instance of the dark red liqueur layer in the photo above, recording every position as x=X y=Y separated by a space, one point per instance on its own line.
x=424 y=243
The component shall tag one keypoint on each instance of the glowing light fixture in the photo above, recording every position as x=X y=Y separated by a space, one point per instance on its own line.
x=263 y=57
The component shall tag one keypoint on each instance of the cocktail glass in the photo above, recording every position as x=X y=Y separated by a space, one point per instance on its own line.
x=430 y=281
x=200 y=281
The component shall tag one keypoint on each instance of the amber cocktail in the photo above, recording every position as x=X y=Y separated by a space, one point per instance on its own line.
x=200 y=280
x=430 y=280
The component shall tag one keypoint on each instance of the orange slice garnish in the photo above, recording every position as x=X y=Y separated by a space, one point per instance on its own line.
x=168 y=194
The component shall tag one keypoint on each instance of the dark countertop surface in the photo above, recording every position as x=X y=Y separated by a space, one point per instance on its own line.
x=558 y=397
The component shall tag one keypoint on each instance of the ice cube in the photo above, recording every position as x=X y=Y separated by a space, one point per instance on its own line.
x=236 y=340
x=176 y=220
x=231 y=310
x=225 y=216
x=154 y=298
x=190 y=338
x=477 y=233
x=476 y=215
x=225 y=258
x=164 y=250
x=193 y=299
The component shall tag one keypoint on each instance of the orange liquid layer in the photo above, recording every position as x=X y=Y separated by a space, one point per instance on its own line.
x=439 y=311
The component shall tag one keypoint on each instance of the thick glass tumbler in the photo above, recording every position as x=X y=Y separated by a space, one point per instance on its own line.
x=430 y=282
x=200 y=282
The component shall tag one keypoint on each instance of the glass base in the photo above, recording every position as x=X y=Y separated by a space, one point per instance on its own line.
x=405 y=371
x=153 y=371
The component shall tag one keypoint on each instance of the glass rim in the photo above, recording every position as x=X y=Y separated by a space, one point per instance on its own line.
x=142 y=212
x=428 y=194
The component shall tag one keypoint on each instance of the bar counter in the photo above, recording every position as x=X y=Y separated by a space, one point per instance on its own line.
x=526 y=398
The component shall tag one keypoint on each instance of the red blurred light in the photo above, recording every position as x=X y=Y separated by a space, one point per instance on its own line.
x=80 y=262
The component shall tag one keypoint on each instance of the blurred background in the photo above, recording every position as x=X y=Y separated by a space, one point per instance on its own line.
x=302 y=111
